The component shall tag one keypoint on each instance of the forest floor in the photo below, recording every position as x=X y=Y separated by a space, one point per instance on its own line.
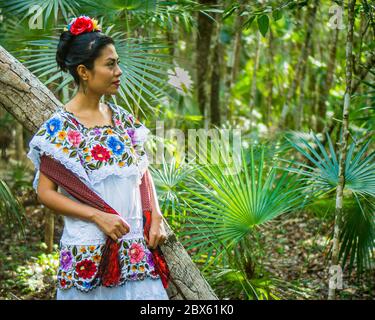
x=296 y=253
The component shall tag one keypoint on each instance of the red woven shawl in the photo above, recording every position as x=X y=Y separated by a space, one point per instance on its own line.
x=109 y=268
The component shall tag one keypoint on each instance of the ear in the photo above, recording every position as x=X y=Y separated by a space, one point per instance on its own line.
x=82 y=72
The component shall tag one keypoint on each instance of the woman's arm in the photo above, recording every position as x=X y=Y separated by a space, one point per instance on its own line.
x=157 y=234
x=112 y=225
x=156 y=212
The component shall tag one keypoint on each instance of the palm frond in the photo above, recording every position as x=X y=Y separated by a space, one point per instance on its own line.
x=358 y=228
x=231 y=206
x=44 y=7
x=357 y=238
x=12 y=212
x=359 y=166
x=169 y=181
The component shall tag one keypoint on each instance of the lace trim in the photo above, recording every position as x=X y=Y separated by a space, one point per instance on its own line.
x=147 y=289
x=38 y=147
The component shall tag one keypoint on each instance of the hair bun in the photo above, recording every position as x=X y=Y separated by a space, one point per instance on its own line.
x=63 y=49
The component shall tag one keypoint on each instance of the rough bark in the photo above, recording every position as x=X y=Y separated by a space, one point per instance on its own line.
x=31 y=103
x=18 y=141
x=205 y=28
x=215 y=112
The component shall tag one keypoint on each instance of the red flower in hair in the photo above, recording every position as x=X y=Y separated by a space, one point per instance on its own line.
x=80 y=25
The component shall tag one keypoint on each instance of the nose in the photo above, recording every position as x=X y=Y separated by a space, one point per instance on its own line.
x=119 y=71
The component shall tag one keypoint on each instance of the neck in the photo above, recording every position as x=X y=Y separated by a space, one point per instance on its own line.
x=88 y=102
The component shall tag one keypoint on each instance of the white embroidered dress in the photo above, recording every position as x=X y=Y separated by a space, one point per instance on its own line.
x=111 y=160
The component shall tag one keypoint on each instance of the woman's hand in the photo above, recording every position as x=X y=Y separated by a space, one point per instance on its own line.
x=112 y=225
x=157 y=234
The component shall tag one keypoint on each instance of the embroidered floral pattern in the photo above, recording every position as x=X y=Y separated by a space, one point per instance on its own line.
x=86 y=269
x=79 y=264
x=107 y=145
x=136 y=253
x=97 y=147
x=100 y=153
x=66 y=260
x=62 y=135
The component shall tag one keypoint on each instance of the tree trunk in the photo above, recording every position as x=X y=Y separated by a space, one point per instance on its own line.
x=205 y=27
x=49 y=224
x=343 y=145
x=31 y=103
x=302 y=60
x=215 y=112
x=253 y=88
x=19 y=142
x=271 y=75
x=233 y=63
x=326 y=83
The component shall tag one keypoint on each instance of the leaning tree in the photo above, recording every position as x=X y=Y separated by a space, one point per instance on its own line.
x=30 y=102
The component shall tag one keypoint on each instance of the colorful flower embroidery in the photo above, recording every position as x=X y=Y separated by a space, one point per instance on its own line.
x=79 y=264
x=136 y=253
x=149 y=259
x=97 y=131
x=86 y=269
x=116 y=145
x=53 y=126
x=66 y=260
x=100 y=153
x=96 y=147
x=74 y=137
x=131 y=133
x=61 y=135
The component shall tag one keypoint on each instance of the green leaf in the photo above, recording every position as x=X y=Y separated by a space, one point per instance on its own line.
x=41 y=132
x=73 y=154
x=248 y=22
x=82 y=144
x=277 y=14
x=263 y=23
x=91 y=166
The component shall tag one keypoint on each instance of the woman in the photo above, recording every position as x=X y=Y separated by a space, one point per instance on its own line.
x=102 y=144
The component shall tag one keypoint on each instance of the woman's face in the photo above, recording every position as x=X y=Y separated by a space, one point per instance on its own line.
x=102 y=79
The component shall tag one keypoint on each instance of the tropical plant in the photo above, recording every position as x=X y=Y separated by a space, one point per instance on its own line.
x=12 y=213
x=169 y=182
x=357 y=237
x=227 y=208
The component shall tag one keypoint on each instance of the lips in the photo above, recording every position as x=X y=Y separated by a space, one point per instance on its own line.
x=116 y=82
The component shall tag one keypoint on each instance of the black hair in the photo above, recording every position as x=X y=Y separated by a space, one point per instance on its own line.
x=73 y=50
